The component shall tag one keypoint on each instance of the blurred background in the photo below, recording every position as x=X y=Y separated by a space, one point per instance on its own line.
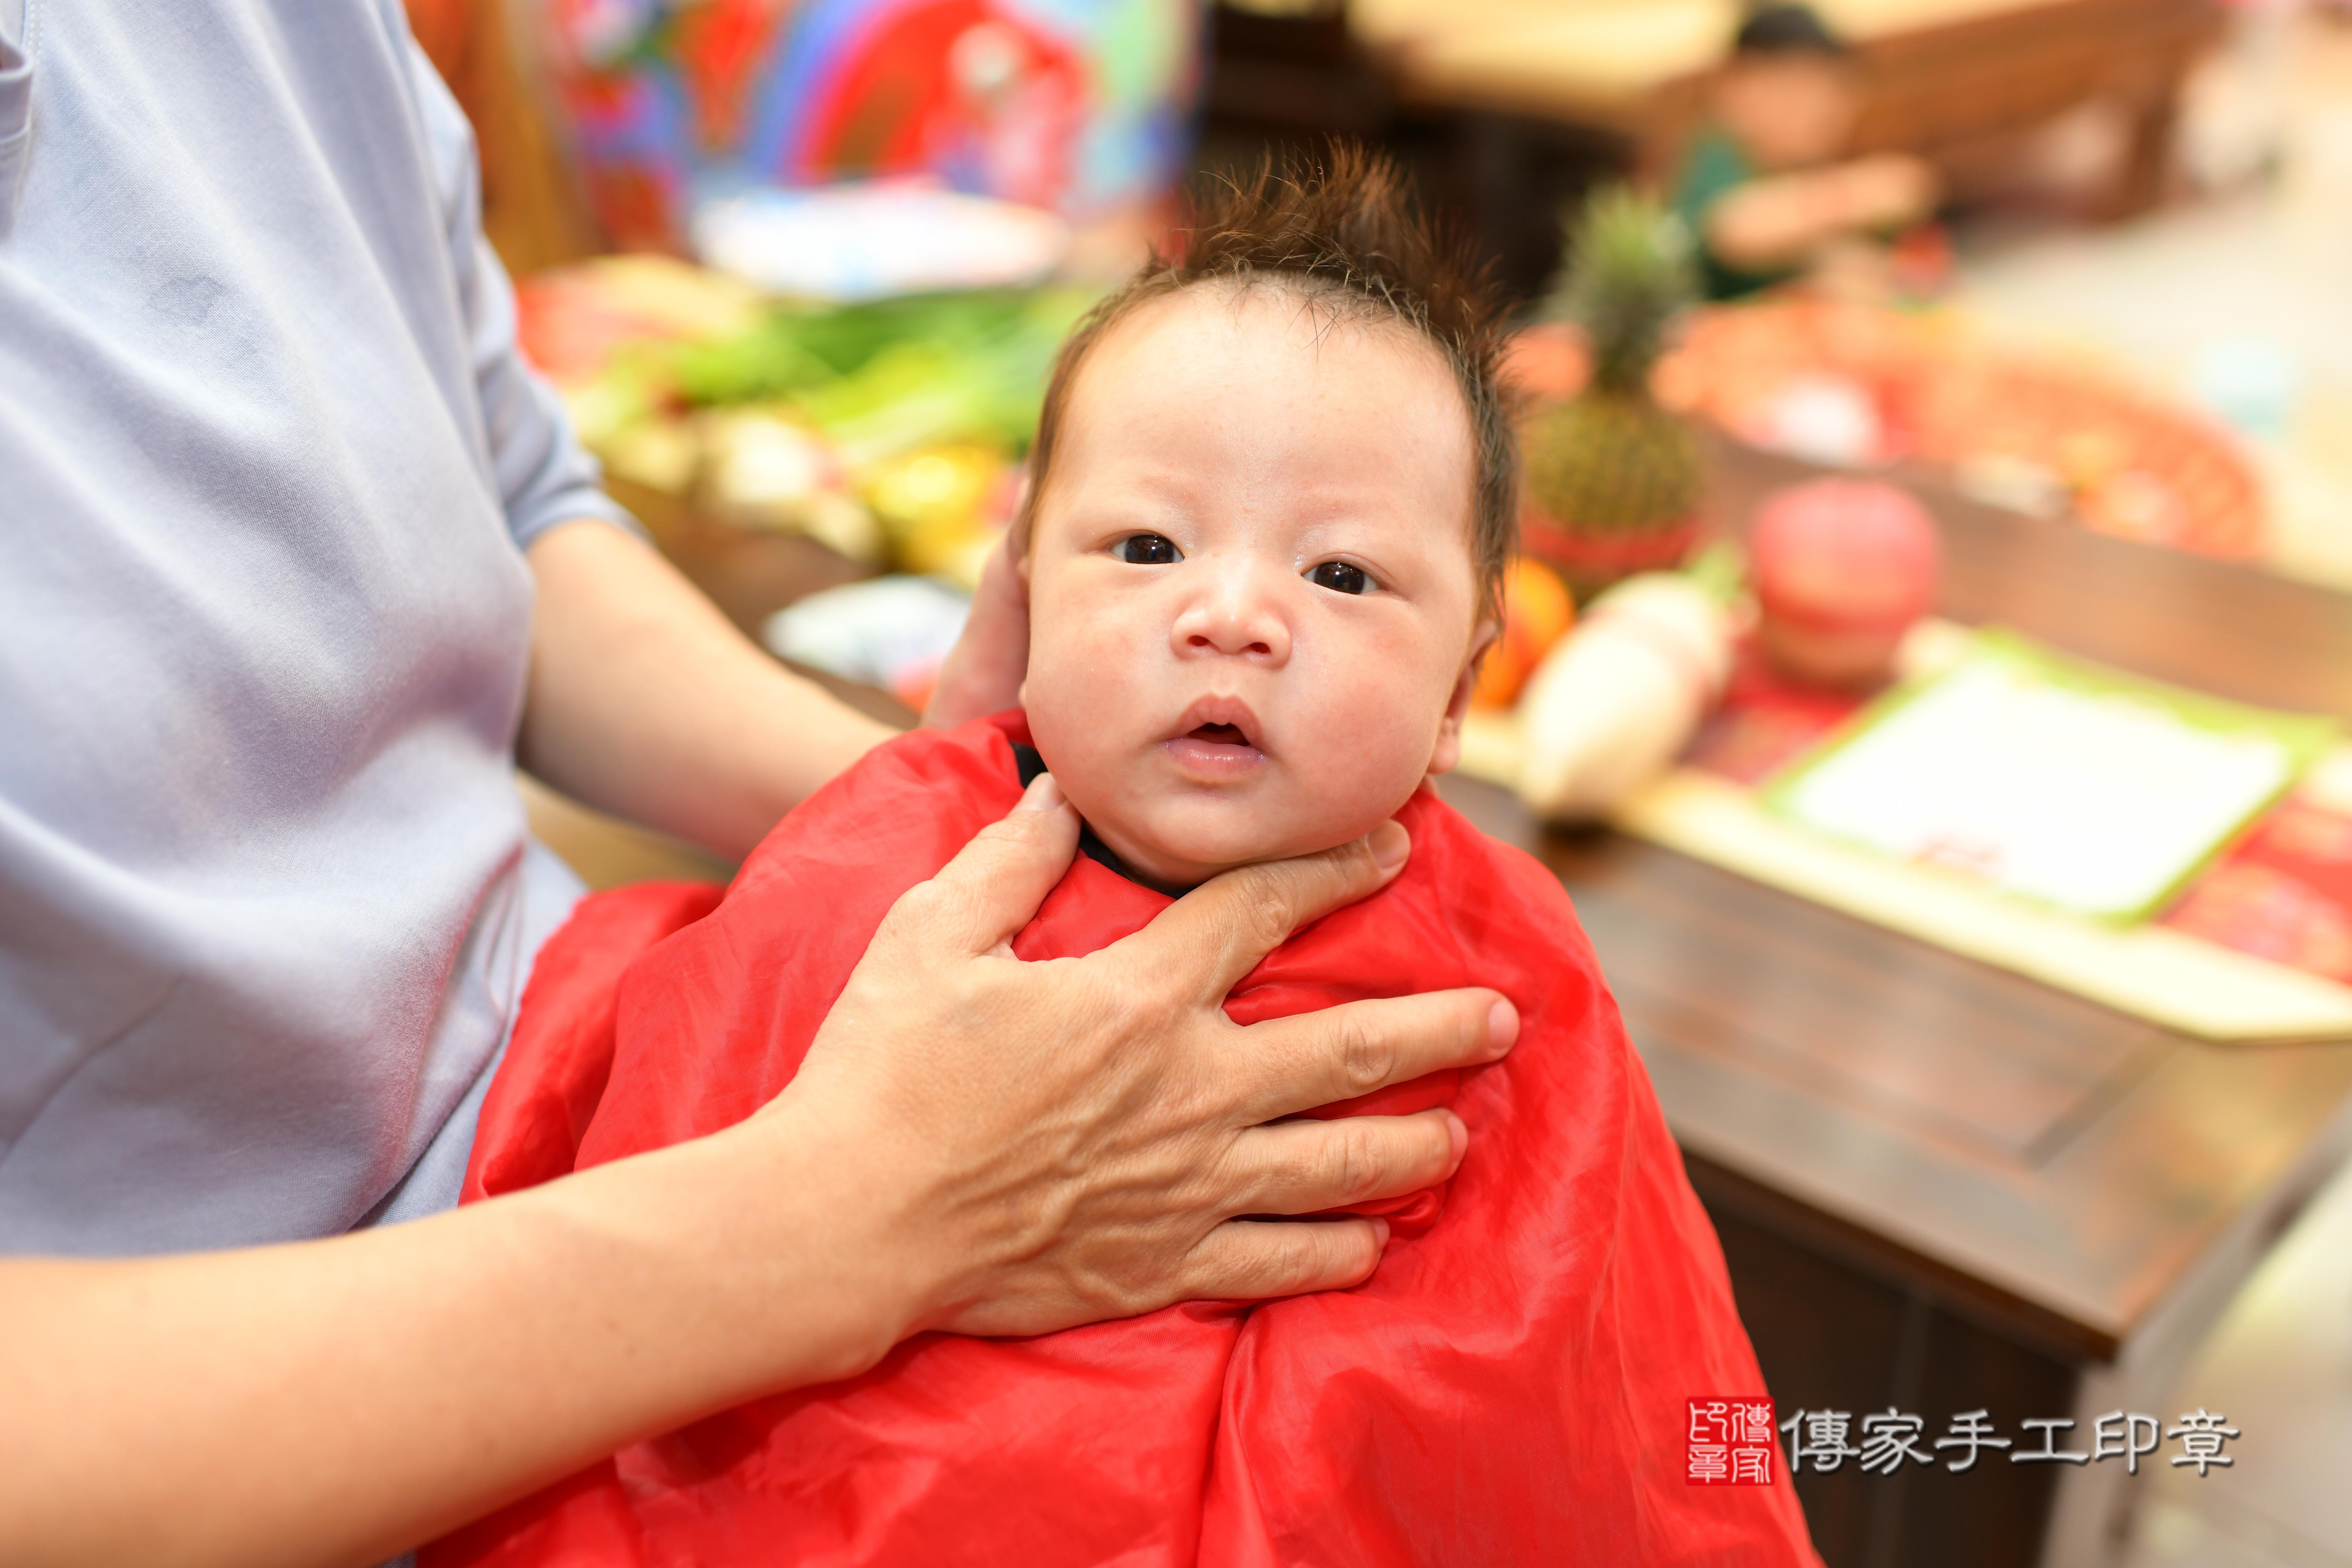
x=1963 y=388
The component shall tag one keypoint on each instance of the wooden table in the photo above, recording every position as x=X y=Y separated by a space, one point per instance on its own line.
x=1941 y=1186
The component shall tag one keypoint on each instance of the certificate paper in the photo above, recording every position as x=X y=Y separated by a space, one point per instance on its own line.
x=2053 y=780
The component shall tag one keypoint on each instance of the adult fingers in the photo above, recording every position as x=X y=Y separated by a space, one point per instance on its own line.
x=1306 y=1167
x=1285 y=1066
x=1217 y=932
x=994 y=886
x=981 y=673
x=1249 y=1260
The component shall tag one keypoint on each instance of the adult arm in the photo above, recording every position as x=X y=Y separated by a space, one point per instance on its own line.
x=973 y=1143
x=645 y=702
x=1784 y=220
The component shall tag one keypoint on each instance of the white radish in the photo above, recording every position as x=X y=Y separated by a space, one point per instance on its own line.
x=1614 y=704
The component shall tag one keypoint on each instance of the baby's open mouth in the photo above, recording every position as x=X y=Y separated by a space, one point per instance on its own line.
x=1221 y=740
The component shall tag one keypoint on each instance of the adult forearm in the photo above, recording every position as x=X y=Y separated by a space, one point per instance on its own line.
x=973 y=1143
x=643 y=701
x=1776 y=222
x=341 y=1400
x=1787 y=219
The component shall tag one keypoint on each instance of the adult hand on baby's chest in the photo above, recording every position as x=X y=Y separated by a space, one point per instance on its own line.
x=1379 y=948
x=1061 y=1139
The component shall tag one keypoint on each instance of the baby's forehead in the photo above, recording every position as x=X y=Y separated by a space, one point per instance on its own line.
x=1245 y=367
x=1305 y=313
x=1206 y=351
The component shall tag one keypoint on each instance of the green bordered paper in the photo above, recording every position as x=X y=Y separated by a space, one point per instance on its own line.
x=2049 y=779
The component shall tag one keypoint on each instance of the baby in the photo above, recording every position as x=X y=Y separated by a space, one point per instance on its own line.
x=1273 y=499
x=1273 y=496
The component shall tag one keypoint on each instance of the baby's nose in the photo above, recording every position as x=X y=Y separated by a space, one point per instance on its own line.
x=1240 y=642
x=1237 y=620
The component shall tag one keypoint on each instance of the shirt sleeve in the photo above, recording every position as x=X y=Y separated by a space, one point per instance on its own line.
x=543 y=475
x=1712 y=170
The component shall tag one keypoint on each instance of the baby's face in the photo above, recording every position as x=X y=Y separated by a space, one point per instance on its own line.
x=1252 y=600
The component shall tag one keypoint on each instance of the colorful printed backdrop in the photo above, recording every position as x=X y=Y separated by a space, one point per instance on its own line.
x=1084 y=106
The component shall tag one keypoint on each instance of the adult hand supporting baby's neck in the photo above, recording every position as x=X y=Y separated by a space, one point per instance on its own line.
x=1048 y=1144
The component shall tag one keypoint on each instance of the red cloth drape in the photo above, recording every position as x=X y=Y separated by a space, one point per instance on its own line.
x=1509 y=1387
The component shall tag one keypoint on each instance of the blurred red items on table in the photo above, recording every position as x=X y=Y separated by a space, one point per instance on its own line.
x=2281 y=893
x=2044 y=432
x=1841 y=569
x=1536 y=612
x=1766 y=720
x=2129 y=463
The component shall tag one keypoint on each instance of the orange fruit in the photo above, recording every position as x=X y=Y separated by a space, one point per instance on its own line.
x=1536 y=612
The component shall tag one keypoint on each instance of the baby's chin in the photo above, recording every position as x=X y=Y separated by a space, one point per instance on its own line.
x=1188 y=851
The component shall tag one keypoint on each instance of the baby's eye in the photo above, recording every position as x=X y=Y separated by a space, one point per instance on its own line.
x=1341 y=577
x=1148 y=550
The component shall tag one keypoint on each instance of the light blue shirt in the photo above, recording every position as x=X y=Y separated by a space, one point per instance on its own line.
x=267 y=458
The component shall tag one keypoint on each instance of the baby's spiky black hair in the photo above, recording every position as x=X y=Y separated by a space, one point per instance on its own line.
x=1343 y=232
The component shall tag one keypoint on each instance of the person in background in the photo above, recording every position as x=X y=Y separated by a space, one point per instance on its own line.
x=1763 y=186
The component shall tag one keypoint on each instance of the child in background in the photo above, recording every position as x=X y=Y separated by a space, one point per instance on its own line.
x=1273 y=499
x=1762 y=187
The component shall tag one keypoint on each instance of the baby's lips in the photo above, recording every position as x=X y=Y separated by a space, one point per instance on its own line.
x=1228 y=713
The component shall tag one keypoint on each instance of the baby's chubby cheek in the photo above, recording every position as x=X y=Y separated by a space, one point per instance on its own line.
x=1356 y=744
x=1087 y=693
x=1348 y=732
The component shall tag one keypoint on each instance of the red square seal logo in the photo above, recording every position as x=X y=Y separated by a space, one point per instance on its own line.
x=1729 y=1440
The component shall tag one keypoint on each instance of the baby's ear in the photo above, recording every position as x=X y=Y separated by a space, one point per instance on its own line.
x=1447 y=752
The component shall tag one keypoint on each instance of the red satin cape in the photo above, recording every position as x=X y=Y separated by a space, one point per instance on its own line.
x=1508 y=1388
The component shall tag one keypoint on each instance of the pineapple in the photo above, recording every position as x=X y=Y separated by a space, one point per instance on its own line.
x=1613 y=480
